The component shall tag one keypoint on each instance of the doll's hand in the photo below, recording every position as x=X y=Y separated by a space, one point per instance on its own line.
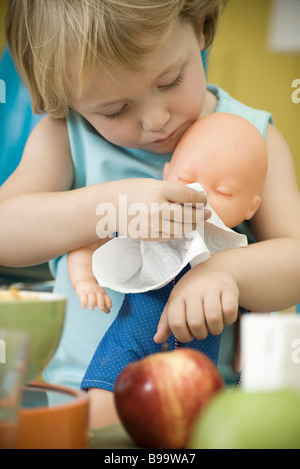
x=204 y=300
x=92 y=295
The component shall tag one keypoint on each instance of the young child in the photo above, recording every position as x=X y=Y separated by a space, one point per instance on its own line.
x=121 y=81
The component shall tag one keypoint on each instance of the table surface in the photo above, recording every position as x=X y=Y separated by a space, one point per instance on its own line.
x=111 y=437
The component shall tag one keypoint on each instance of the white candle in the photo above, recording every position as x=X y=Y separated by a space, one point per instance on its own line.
x=270 y=351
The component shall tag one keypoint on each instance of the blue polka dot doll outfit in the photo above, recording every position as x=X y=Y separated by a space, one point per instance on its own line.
x=130 y=337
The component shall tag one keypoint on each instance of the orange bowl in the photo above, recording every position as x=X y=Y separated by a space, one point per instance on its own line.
x=56 y=418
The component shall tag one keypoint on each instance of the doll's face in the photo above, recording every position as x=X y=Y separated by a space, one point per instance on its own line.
x=223 y=166
x=231 y=197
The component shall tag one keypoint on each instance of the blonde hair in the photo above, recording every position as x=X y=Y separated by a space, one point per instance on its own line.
x=45 y=36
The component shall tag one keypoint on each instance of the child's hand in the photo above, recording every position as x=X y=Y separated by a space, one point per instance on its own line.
x=204 y=300
x=158 y=210
x=92 y=295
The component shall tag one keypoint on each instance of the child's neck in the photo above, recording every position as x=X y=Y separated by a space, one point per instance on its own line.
x=210 y=104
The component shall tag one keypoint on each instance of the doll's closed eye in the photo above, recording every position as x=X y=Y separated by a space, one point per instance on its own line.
x=185 y=181
x=221 y=190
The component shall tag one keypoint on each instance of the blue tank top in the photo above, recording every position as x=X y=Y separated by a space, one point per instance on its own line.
x=96 y=160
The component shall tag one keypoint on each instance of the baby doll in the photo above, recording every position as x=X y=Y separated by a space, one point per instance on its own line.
x=227 y=155
x=223 y=152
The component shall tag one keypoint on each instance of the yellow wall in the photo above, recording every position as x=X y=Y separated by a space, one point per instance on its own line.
x=241 y=63
x=3 y=4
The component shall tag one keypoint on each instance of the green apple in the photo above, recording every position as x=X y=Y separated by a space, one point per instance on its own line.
x=241 y=420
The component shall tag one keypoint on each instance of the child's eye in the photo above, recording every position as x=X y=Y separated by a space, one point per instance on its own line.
x=173 y=84
x=115 y=115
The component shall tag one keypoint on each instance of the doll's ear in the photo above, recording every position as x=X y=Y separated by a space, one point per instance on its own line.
x=254 y=208
x=166 y=171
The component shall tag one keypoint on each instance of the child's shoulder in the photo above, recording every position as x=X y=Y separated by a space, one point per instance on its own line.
x=50 y=126
x=227 y=103
x=50 y=135
x=47 y=153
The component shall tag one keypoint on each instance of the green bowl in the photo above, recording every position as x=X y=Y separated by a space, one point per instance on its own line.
x=39 y=314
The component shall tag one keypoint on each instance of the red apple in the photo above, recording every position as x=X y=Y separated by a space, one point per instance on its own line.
x=159 y=397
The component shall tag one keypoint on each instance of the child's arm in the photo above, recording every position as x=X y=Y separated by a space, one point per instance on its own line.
x=42 y=218
x=261 y=277
x=86 y=287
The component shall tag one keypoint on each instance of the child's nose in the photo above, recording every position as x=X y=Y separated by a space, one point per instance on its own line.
x=155 y=119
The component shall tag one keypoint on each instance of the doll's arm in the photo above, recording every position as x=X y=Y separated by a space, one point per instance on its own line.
x=86 y=287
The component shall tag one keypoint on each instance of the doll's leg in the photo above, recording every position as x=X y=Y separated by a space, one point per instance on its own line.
x=128 y=339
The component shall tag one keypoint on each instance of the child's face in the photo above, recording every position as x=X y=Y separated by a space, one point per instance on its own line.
x=150 y=109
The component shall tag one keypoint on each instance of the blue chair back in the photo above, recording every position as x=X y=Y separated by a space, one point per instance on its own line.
x=16 y=117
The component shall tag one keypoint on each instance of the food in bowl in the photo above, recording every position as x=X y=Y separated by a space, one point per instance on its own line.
x=13 y=294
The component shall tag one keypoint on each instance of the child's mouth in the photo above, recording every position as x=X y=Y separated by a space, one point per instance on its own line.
x=166 y=139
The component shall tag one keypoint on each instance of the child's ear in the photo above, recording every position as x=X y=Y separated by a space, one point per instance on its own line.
x=254 y=208
x=166 y=171
x=201 y=33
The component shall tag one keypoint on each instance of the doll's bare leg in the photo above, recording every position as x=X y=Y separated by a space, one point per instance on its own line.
x=102 y=410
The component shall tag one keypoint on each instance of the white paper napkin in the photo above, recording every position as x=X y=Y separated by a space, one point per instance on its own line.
x=270 y=351
x=130 y=266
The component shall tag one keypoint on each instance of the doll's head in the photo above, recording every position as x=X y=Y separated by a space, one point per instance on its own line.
x=227 y=155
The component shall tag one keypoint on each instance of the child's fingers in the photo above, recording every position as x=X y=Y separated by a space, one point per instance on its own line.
x=213 y=313
x=163 y=330
x=177 y=320
x=196 y=320
x=182 y=194
x=180 y=327
x=230 y=307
